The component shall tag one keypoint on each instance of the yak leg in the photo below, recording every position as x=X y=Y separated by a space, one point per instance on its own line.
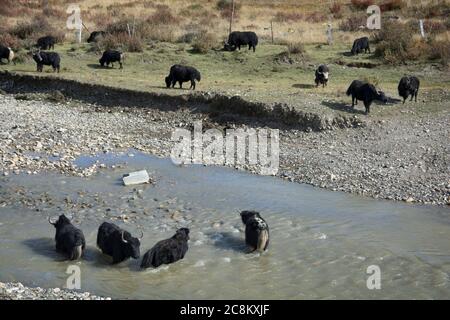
x=367 y=105
x=181 y=84
x=120 y=63
x=353 y=101
x=192 y=85
x=415 y=94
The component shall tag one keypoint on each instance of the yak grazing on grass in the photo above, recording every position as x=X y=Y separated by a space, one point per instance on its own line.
x=359 y=45
x=111 y=56
x=180 y=74
x=236 y=39
x=365 y=92
x=95 y=36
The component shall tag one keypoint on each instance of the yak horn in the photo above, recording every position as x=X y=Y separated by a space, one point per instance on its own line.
x=51 y=219
x=125 y=241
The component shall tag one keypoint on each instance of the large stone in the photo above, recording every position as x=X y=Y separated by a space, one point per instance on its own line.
x=137 y=177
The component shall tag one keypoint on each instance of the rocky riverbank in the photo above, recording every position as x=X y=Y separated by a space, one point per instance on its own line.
x=17 y=291
x=403 y=159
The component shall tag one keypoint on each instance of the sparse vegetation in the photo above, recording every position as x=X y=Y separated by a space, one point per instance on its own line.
x=204 y=42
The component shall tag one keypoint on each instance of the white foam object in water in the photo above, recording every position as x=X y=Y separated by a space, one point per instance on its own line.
x=136 y=177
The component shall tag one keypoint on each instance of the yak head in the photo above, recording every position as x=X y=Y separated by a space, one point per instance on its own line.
x=182 y=234
x=247 y=215
x=168 y=81
x=37 y=55
x=131 y=244
x=60 y=221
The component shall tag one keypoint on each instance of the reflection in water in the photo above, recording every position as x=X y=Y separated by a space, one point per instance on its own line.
x=321 y=242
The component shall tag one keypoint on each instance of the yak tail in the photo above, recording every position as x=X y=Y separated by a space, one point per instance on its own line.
x=76 y=252
x=11 y=55
x=263 y=240
x=147 y=259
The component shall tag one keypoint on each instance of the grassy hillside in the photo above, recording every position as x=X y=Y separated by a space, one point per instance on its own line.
x=266 y=75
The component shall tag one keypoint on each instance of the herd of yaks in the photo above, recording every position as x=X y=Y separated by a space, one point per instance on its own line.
x=121 y=245
x=358 y=90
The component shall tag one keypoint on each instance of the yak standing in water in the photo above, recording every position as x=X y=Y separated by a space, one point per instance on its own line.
x=69 y=239
x=167 y=251
x=256 y=231
x=408 y=86
x=118 y=243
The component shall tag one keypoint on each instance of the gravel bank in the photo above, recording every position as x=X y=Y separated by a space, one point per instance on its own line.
x=17 y=291
x=401 y=158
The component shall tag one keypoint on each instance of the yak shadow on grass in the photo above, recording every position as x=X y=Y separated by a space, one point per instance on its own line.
x=228 y=241
x=303 y=86
x=99 y=67
x=339 y=106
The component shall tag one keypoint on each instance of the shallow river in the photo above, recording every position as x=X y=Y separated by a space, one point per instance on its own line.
x=321 y=242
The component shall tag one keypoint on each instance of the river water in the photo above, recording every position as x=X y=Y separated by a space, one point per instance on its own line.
x=322 y=243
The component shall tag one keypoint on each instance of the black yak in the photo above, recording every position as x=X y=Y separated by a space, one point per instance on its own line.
x=96 y=35
x=256 y=231
x=408 y=85
x=6 y=53
x=365 y=92
x=69 y=239
x=48 y=59
x=180 y=74
x=46 y=43
x=118 y=243
x=167 y=251
x=111 y=56
x=236 y=39
x=322 y=73
x=359 y=45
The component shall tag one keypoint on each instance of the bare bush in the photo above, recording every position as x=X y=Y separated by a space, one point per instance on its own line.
x=204 y=42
